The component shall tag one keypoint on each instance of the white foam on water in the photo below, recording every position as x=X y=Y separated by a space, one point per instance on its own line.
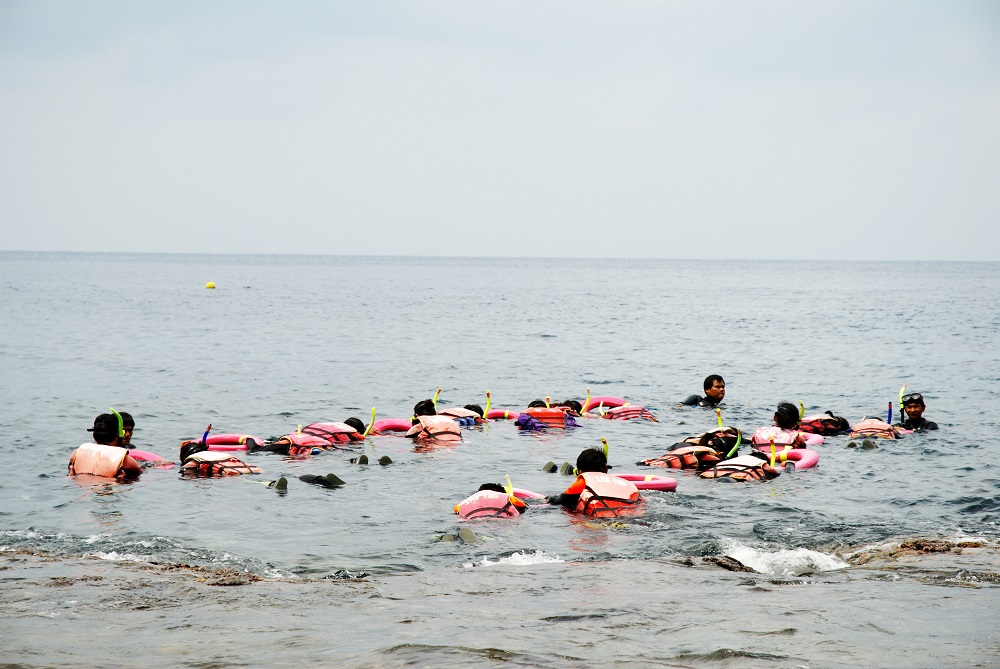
x=783 y=562
x=518 y=559
x=114 y=556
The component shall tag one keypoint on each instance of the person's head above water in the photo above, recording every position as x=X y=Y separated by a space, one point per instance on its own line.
x=592 y=460
x=356 y=424
x=715 y=388
x=572 y=405
x=913 y=405
x=106 y=430
x=495 y=487
x=536 y=404
x=787 y=416
x=128 y=425
x=424 y=408
x=475 y=407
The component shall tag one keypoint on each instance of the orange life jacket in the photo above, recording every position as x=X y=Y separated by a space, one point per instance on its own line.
x=554 y=417
x=216 y=463
x=438 y=428
x=686 y=456
x=607 y=495
x=97 y=459
x=743 y=468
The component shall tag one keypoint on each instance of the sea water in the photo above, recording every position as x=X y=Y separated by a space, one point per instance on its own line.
x=358 y=576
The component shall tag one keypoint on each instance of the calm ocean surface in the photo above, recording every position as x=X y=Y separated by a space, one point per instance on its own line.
x=356 y=577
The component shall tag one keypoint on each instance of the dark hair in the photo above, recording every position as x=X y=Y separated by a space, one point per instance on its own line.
x=592 y=460
x=495 y=487
x=574 y=405
x=105 y=429
x=424 y=408
x=787 y=416
x=189 y=448
x=127 y=420
x=534 y=404
x=478 y=409
x=356 y=424
x=710 y=380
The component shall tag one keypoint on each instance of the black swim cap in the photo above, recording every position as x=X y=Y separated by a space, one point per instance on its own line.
x=787 y=416
x=105 y=428
x=475 y=407
x=356 y=424
x=424 y=408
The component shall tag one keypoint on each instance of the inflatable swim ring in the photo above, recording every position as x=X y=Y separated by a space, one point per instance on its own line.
x=803 y=458
x=392 y=425
x=502 y=414
x=608 y=402
x=146 y=456
x=650 y=481
x=230 y=442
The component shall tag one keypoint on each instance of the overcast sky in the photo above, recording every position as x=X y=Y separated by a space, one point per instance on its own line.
x=625 y=128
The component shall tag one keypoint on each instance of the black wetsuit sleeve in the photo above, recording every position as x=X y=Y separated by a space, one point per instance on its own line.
x=562 y=499
x=930 y=425
x=691 y=400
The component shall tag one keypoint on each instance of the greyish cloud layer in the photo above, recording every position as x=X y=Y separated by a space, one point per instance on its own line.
x=847 y=130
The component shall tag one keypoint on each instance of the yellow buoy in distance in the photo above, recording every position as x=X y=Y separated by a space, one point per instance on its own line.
x=210 y=284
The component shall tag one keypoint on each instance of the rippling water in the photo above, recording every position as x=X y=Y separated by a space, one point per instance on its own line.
x=289 y=340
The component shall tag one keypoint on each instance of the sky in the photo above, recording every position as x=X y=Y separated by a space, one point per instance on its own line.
x=774 y=129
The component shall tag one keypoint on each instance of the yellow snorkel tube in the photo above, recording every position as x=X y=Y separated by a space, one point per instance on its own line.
x=370 y=425
x=121 y=423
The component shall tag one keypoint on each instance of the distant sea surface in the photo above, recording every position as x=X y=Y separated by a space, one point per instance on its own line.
x=358 y=577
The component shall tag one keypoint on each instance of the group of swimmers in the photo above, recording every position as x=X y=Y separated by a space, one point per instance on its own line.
x=714 y=454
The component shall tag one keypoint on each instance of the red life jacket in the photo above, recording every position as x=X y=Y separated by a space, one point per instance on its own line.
x=216 y=463
x=628 y=412
x=490 y=504
x=554 y=417
x=743 y=468
x=686 y=456
x=607 y=495
x=437 y=428
x=98 y=460
x=825 y=423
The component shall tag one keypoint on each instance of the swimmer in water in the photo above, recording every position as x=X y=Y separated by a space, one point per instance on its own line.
x=913 y=407
x=715 y=392
x=595 y=492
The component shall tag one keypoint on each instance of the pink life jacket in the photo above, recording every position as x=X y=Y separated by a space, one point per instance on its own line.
x=335 y=433
x=98 y=460
x=436 y=428
x=490 y=504
x=628 y=412
x=782 y=437
x=607 y=495
x=874 y=427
